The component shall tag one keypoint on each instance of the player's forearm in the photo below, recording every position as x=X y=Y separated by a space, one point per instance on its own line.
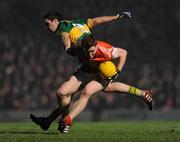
x=122 y=60
x=104 y=19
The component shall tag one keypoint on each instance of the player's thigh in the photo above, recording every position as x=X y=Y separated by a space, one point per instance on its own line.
x=91 y=88
x=117 y=86
x=70 y=86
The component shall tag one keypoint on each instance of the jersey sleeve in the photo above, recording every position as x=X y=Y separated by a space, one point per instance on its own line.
x=114 y=53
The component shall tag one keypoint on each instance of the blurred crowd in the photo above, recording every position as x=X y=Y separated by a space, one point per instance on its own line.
x=33 y=63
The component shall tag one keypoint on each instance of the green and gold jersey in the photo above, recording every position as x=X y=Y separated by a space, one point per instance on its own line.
x=77 y=29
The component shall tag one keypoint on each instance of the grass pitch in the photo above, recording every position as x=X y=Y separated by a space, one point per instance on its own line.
x=167 y=131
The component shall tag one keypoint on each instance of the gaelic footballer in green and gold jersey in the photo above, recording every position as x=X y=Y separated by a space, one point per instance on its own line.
x=72 y=32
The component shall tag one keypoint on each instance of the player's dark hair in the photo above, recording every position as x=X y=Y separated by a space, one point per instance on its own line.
x=88 y=41
x=51 y=15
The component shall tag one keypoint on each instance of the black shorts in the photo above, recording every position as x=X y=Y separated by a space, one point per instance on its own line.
x=86 y=77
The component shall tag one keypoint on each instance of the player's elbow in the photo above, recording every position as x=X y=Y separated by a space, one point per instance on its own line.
x=123 y=53
x=94 y=22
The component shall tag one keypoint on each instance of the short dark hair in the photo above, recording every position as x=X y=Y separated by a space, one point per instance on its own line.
x=51 y=15
x=88 y=41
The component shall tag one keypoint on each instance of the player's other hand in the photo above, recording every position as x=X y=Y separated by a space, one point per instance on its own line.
x=124 y=15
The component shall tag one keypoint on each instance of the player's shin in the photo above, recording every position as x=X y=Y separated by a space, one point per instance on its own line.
x=64 y=104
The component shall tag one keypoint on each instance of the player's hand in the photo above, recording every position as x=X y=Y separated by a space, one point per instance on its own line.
x=71 y=51
x=114 y=77
x=124 y=15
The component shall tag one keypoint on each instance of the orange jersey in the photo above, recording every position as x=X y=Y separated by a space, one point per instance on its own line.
x=103 y=52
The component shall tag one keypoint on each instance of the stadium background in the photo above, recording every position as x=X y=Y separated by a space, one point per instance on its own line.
x=33 y=63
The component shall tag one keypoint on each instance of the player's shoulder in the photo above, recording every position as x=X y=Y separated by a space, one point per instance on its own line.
x=81 y=20
x=65 y=22
x=65 y=25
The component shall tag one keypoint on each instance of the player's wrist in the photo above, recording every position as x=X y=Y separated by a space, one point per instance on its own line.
x=118 y=16
x=118 y=71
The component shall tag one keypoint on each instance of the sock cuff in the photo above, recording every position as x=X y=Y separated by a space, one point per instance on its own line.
x=133 y=90
x=68 y=120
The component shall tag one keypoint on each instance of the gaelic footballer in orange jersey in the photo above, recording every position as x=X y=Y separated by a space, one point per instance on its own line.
x=100 y=51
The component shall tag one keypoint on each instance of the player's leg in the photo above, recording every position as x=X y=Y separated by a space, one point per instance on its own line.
x=90 y=89
x=64 y=98
x=66 y=90
x=121 y=87
x=84 y=78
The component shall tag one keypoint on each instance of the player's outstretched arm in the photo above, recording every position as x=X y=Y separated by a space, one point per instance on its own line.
x=103 y=19
x=99 y=20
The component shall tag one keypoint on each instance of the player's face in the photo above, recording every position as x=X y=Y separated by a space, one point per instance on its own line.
x=92 y=51
x=51 y=25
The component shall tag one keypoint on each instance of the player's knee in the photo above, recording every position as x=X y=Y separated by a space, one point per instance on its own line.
x=61 y=92
x=86 y=93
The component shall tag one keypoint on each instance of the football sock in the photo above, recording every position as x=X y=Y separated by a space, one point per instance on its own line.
x=54 y=114
x=134 y=91
x=65 y=111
